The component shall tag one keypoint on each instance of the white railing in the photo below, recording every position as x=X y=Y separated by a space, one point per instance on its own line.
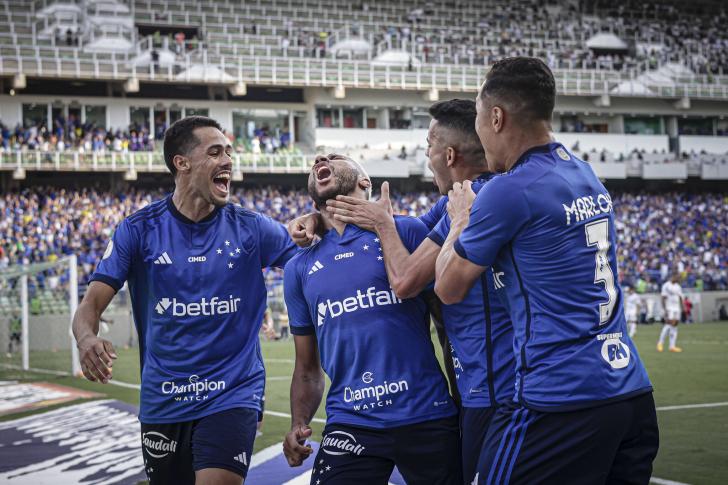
x=327 y=73
x=73 y=161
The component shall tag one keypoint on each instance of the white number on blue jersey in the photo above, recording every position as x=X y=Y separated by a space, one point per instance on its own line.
x=597 y=234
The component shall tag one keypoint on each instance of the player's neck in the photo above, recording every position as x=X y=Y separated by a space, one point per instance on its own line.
x=190 y=205
x=523 y=140
x=331 y=223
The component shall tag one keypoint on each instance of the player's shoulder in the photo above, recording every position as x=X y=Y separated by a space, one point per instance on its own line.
x=299 y=260
x=240 y=213
x=407 y=223
x=149 y=213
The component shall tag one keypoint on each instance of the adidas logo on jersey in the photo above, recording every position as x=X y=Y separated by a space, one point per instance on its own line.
x=370 y=299
x=163 y=259
x=316 y=266
x=241 y=458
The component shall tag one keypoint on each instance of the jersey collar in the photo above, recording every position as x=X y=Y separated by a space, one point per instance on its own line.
x=351 y=232
x=547 y=148
x=182 y=218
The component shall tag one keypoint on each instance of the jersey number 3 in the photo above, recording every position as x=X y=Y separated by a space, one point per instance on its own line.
x=597 y=234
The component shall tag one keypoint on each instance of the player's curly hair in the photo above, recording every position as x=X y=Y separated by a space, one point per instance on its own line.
x=525 y=85
x=180 y=138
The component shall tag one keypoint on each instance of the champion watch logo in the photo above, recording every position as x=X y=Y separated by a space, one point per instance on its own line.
x=163 y=259
x=316 y=266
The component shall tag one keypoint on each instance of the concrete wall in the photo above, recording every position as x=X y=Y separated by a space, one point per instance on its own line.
x=711 y=144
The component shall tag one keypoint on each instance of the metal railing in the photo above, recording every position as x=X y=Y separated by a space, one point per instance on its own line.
x=327 y=73
x=74 y=161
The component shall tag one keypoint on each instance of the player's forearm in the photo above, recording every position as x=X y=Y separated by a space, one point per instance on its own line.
x=448 y=286
x=86 y=321
x=398 y=262
x=307 y=389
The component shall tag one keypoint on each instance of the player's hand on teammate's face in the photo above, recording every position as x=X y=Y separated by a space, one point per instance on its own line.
x=294 y=446
x=303 y=229
x=363 y=213
x=460 y=200
x=97 y=358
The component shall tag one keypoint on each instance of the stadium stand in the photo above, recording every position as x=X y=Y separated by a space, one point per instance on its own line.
x=91 y=86
x=657 y=232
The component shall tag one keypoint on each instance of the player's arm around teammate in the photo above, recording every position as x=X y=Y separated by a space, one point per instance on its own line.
x=454 y=275
x=307 y=389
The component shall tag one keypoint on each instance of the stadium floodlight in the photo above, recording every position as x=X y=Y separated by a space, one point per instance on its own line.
x=19 y=81
x=239 y=89
x=339 y=92
x=432 y=95
x=131 y=85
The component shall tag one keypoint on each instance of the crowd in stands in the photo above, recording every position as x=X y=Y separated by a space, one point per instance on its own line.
x=658 y=233
x=72 y=135
x=663 y=33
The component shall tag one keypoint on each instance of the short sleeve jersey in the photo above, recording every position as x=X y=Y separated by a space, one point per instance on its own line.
x=198 y=298
x=481 y=334
x=375 y=347
x=547 y=228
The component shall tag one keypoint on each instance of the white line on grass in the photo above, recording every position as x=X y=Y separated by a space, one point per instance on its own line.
x=36 y=370
x=285 y=415
x=693 y=406
x=662 y=481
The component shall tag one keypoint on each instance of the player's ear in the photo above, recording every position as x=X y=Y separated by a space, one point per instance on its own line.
x=181 y=163
x=450 y=156
x=497 y=118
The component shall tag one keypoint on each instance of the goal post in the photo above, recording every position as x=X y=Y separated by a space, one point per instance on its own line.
x=37 y=304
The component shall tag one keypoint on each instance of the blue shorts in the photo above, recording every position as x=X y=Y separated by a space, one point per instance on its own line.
x=425 y=453
x=474 y=423
x=174 y=452
x=610 y=444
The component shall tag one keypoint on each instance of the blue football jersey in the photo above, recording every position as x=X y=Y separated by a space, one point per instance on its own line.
x=375 y=347
x=198 y=298
x=481 y=334
x=546 y=227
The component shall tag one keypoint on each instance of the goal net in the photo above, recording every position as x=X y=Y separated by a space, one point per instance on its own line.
x=37 y=303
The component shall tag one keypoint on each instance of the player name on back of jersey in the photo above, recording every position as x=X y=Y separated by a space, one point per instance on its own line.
x=586 y=207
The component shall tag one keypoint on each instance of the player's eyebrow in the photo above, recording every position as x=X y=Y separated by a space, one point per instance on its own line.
x=218 y=146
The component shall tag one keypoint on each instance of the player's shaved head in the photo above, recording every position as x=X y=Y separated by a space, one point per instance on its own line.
x=525 y=86
x=335 y=174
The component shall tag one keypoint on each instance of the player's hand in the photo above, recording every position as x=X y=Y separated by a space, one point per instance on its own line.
x=460 y=200
x=303 y=229
x=293 y=446
x=97 y=357
x=363 y=213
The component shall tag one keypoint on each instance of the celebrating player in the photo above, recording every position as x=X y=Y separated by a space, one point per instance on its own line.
x=479 y=327
x=672 y=304
x=388 y=403
x=583 y=410
x=632 y=307
x=193 y=263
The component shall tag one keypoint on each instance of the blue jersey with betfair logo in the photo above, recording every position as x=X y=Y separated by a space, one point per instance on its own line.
x=481 y=334
x=547 y=229
x=375 y=347
x=198 y=298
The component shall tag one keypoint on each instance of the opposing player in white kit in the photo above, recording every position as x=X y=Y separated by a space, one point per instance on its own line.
x=632 y=307
x=672 y=304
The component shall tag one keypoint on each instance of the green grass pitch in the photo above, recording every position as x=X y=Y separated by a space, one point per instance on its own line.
x=693 y=445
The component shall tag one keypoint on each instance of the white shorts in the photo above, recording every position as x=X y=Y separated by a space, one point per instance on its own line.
x=631 y=317
x=673 y=313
